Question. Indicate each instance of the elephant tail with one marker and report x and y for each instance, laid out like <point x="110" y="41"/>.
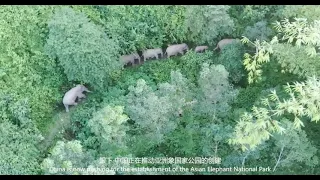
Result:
<point x="216" y="48"/>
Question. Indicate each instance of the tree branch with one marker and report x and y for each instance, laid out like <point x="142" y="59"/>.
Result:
<point x="278" y="158"/>
<point x="216" y="149"/>
<point x="244" y="159"/>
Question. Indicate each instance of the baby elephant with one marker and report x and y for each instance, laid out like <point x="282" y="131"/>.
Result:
<point x="173" y="50"/>
<point x="221" y="44"/>
<point x="125" y="59"/>
<point x="201" y="48"/>
<point x="71" y="96"/>
<point x="150" y="53"/>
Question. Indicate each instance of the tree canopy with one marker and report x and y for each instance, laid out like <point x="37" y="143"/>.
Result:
<point x="253" y="103"/>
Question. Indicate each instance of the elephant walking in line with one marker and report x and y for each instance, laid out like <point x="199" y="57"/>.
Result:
<point x="71" y="96"/>
<point x="221" y="44"/>
<point x="125" y="59"/>
<point x="173" y="50"/>
<point x="150" y="53"/>
<point x="201" y="48"/>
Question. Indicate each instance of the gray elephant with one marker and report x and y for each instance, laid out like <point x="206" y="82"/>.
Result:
<point x="74" y="93"/>
<point x="125" y="59"/>
<point x="201" y="48"/>
<point x="221" y="44"/>
<point x="150" y="53"/>
<point x="173" y="50"/>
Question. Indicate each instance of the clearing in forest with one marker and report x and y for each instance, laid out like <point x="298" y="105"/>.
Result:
<point x="61" y="122"/>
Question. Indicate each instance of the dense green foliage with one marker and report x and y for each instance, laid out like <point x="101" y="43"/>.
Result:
<point x="138" y="27"/>
<point x="208" y="22"/>
<point x="231" y="59"/>
<point x="253" y="104"/>
<point x="82" y="48"/>
<point x="259" y="30"/>
<point x="26" y="72"/>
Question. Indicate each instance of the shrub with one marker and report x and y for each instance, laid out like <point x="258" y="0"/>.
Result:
<point x="231" y="58"/>
<point x="82" y="48"/>
<point x="259" y="30"/>
<point x="207" y="22"/>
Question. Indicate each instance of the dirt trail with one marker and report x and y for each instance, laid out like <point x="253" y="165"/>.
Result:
<point x="55" y="130"/>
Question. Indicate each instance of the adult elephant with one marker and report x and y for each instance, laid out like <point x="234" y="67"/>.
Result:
<point x="71" y="96"/>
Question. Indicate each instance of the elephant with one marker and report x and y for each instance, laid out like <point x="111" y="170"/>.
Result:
<point x="221" y="44"/>
<point x="125" y="59"/>
<point x="201" y="48"/>
<point x="150" y="53"/>
<point x="74" y="93"/>
<point x="173" y="50"/>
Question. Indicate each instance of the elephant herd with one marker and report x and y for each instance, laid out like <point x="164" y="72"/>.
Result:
<point x="172" y="50"/>
<point x="75" y="94"/>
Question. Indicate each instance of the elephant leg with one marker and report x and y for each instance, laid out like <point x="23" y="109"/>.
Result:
<point x="156" y="55"/>
<point x="66" y="107"/>
<point x="81" y="96"/>
<point x="132" y="62"/>
<point x="181" y="52"/>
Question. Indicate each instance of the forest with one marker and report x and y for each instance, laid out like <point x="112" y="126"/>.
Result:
<point x="249" y="107"/>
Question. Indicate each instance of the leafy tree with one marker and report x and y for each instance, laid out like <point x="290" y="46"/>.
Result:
<point x="215" y="92"/>
<point x="241" y="159"/>
<point x="191" y="64"/>
<point x="220" y="135"/>
<point x="83" y="49"/>
<point x="246" y="97"/>
<point x="202" y="135"/>
<point x="129" y="78"/>
<point x="305" y="41"/>
<point x="166" y="104"/>
<point x="71" y="159"/>
<point x="251" y="14"/>
<point x="207" y="22"/>
<point x="158" y="71"/>
<point x="183" y="141"/>
<point x="65" y="156"/>
<point x="150" y="112"/>
<point x="107" y="125"/>
<point x="26" y="72"/>
<point x="144" y="26"/>
<point x="257" y="126"/>
<point x="209" y="138"/>
<point x="231" y="59"/>
<point x="20" y="154"/>
<point x="302" y="11"/>
<point x="80" y="117"/>
<point x="259" y="30"/>
<point x="91" y="12"/>
<point x="293" y="146"/>
<point x="179" y="92"/>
